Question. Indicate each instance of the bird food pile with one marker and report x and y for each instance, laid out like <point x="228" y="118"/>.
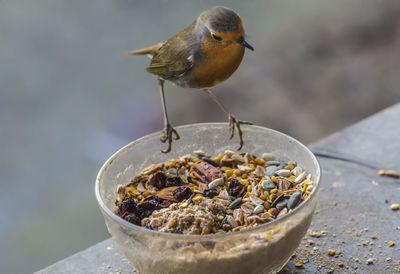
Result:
<point x="202" y="195"/>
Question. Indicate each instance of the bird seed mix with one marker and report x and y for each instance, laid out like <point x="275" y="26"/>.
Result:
<point x="199" y="194"/>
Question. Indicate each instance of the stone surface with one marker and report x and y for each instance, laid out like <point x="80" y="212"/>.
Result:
<point x="352" y="207"/>
<point x="104" y="257"/>
<point x="352" y="204"/>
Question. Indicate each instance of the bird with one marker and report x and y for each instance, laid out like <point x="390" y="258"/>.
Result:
<point x="202" y="55"/>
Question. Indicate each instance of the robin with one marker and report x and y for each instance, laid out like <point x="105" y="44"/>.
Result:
<point x="201" y="56"/>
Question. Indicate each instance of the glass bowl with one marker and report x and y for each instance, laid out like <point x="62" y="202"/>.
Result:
<point x="263" y="249"/>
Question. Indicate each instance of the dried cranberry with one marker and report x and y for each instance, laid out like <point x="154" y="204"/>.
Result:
<point x="182" y="193"/>
<point x="132" y="218"/>
<point x="234" y="187"/>
<point x="174" y="181"/>
<point x="210" y="193"/>
<point x="127" y="205"/>
<point x="158" y="179"/>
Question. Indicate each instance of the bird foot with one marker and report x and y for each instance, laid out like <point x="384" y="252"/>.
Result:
<point x="233" y="122"/>
<point x="167" y="136"/>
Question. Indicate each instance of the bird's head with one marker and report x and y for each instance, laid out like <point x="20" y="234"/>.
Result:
<point x="222" y="27"/>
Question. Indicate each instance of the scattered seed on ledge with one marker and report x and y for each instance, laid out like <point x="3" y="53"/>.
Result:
<point x="299" y="263"/>
<point x="331" y="252"/>
<point x="389" y="173"/>
<point x="395" y="207"/>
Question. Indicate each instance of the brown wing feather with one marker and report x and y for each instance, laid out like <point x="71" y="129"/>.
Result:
<point x="145" y="51"/>
<point x="173" y="59"/>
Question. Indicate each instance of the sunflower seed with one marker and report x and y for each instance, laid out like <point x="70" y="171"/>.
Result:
<point x="282" y="204"/>
<point x="268" y="156"/>
<point x="277" y="200"/>
<point x="244" y="168"/>
<point x="215" y="183"/>
<point x="172" y="172"/>
<point x="258" y="209"/>
<point x="260" y="171"/>
<point x="211" y="162"/>
<point x="300" y="178"/>
<point x="255" y="200"/>
<point x="268" y="185"/>
<point x="297" y="171"/>
<point x="271" y="170"/>
<point x="283" y="172"/>
<point x="282" y="212"/>
<point x="273" y="163"/>
<point x="199" y="152"/>
<point x="235" y="203"/>
<point x="284" y="184"/>
<point x="231" y="221"/>
<point x="229" y="153"/>
<point x="238" y="159"/>
<point x="294" y="200"/>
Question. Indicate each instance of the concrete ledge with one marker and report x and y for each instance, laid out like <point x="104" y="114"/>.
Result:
<point x="351" y="209"/>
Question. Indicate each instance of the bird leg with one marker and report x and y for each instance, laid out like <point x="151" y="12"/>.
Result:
<point x="233" y="122"/>
<point x="168" y="129"/>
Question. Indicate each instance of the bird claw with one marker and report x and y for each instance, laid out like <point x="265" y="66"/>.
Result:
<point x="167" y="136"/>
<point x="233" y="122"/>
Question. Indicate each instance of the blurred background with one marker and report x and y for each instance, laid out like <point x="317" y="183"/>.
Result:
<point x="68" y="100"/>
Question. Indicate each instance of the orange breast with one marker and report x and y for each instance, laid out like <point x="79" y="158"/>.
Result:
<point x="220" y="62"/>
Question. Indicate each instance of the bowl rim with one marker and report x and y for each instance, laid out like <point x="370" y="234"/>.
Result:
<point x="263" y="227"/>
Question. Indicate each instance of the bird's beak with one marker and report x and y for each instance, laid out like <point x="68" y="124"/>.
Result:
<point x="245" y="44"/>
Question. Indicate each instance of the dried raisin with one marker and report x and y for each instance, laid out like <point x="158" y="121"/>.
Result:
<point x="127" y="205"/>
<point x="174" y="181"/>
<point x="210" y="193"/>
<point x="145" y="208"/>
<point x="158" y="179"/>
<point x="132" y="218"/>
<point x="182" y="193"/>
<point x="234" y="187"/>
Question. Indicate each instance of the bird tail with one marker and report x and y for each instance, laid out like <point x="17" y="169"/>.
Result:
<point x="145" y="51"/>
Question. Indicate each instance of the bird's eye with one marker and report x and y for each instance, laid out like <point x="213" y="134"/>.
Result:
<point x="216" y="37"/>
